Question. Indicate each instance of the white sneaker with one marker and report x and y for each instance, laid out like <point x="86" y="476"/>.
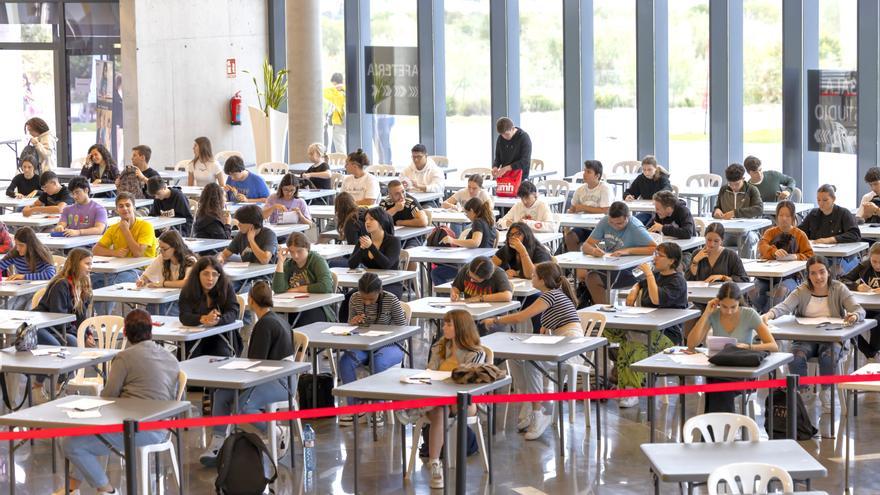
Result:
<point x="436" y="473"/>
<point x="540" y="422"/>
<point x="61" y="491"/>
<point x="626" y="402"/>
<point x="825" y="397"/>
<point x="282" y="436"/>
<point x="209" y="456"/>
<point x="524" y="423"/>
<point x="525" y="410"/>
<point x="348" y="419"/>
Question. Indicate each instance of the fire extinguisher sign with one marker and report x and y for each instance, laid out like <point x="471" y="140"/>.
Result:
<point x="230" y="68"/>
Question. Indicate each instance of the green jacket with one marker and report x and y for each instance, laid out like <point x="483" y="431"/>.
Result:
<point x="318" y="278"/>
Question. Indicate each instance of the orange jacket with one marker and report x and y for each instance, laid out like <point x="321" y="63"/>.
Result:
<point x="767" y="250"/>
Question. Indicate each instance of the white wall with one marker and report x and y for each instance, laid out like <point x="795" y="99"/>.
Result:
<point x="174" y="66"/>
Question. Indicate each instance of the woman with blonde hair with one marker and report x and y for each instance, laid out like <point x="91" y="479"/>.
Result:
<point x="319" y="172"/>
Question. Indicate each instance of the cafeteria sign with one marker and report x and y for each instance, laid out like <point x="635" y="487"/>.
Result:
<point x="833" y="104"/>
<point x="392" y="80"/>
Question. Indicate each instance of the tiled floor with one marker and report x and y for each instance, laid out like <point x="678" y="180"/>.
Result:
<point x="619" y="469"/>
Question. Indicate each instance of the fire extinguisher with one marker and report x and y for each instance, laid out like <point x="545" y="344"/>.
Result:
<point x="235" y="109"/>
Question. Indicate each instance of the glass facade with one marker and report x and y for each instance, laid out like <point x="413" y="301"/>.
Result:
<point x="762" y="82"/>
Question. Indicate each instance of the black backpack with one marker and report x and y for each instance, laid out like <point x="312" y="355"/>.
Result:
<point x="324" y="382"/>
<point x="805" y="428"/>
<point x="438" y="234"/>
<point x="240" y="465"/>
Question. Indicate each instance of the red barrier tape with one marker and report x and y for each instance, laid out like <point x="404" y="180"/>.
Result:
<point x="433" y="402"/>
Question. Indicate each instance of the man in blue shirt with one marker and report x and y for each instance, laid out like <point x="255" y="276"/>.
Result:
<point x="623" y="235"/>
<point x="247" y="187"/>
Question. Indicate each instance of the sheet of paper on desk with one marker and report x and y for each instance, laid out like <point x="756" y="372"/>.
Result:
<point x="691" y="359"/>
<point x="478" y="305"/>
<point x="869" y="369"/>
<point x="432" y="375"/>
<point x="697" y="284"/>
<point x="579" y="340"/>
<point x="639" y="311"/>
<point x="85" y="404"/>
<point x="375" y="333"/>
<point x="339" y="330"/>
<point x="46" y="351"/>
<point x="89" y="355"/>
<point x="543" y="339"/>
<point x="92" y="413"/>
<point x="260" y="369"/>
<point x="239" y="365"/>
<point x="802" y="320"/>
<point x="236" y="264"/>
<point x="103" y="259"/>
<point x="164" y="289"/>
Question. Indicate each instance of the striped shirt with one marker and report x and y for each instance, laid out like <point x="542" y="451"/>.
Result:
<point x="561" y="310"/>
<point x="386" y="311"/>
<point x="44" y="271"/>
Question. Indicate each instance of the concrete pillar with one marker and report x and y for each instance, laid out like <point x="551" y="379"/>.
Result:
<point x="304" y="99"/>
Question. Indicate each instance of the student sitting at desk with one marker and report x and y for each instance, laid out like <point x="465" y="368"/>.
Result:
<point x="286" y="200"/>
<point x="130" y="237"/>
<point x="319" y="173"/>
<point x="362" y="186"/>
<point x="213" y="220"/>
<point x="100" y="168"/>
<point x="170" y="203"/>
<point x="772" y="185"/>
<point x="474" y="189"/>
<point x="519" y="256"/>
<point x="168" y="270"/>
<point x="26" y="184"/>
<point x="869" y="206"/>
<point x="716" y="263"/>
<point x="865" y="278"/>
<point x="254" y="243"/>
<point x="144" y="370"/>
<point x="595" y="196"/>
<point x="303" y="271"/>
<point x="653" y="178"/>
<point x="481" y="234"/>
<point x="85" y="216"/>
<point x="422" y="175"/>
<point x="371" y="305"/>
<point x="349" y="219"/>
<point x="782" y="242"/>
<point x="819" y="297"/>
<point x="31" y="261"/>
<point x="405" y="211"/>
<point x="671" y="218"/>
<point x="270" y="340"/>
<point x="481" y="281"/>
<point x="530" y="210"/>
<point x="203" y="169"/>
<point x="726" y="316"/>
<point x="623" y="236"/>
<point x="739" y="199"/>
<point x="832" y="224"/>
<point x="378" y="248"/>
<point x="53" y="198"/>
<point x="556" y="308"/>
<point x="207" y="299"/>
<point x="246" y="187"/>
<point x="666" y="289"/>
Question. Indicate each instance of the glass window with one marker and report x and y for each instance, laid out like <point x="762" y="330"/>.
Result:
<point x="762" y="82"/>
<point x="469" y="124"/>
<point x="614" y="80"/>
<point x="95" y="104"/>
<point x="541" y="81"/>
<point x="838" y="43"/>
<point x="27" y="22"/>
<point x="333" y="64"/>
<point x="688" y="89"/>
<point x="393" y="23"/>
<point x="91" y="20"/>
<point x="27" y="90"/>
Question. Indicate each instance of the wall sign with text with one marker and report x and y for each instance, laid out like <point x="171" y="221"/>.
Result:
<point x="392" y="80"/>
<point x="833" y="111"/>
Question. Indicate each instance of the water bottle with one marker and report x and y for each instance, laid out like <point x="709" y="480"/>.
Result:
<point x="309" y="456"/>
<point x="613" y="301"/>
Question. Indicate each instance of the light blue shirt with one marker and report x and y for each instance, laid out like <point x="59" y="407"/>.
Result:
<point x="744" y="332"/>
<point x="252" y="187"/>
<point x="633" y="235"/>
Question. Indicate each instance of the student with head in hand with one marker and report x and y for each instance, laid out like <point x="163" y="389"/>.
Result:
<point x="378" y="248"/>
<point x="672" y="218"/>
<point x="714" y="262"/>
<point x="100" y="167"/>
<point x="405" y="211"/>
<point x="739" y="199"/>
<point x="207" y="299"/>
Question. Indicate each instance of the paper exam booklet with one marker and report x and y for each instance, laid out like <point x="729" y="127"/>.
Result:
<point x="85" y="404"/>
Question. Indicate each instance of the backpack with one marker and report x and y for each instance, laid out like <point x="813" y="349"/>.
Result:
<point x="437" y="235"/>
<point x="325" y="390"/>
<point x="240" y="465"/>
<point x="805" y="427"/>
<point x="128" y="182"/>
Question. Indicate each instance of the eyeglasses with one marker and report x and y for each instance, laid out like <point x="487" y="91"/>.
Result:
<point x="660" y="254"/>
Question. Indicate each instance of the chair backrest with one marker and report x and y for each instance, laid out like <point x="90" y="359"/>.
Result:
<point x="381" y="170"/>
<point x="335" y="279"/>
<point x="273" y="168"/>
<point x="754" y="477"/>
<point x="181" y="165"/>
<point x="701" y="226"/>
<point x="222" y="156"/>
<point x="675" y="190"/>
<point x="797" y="195"/>
<point x="193" y="206"/>
<point x="485" y="173"/>
<point x="555" y="187"/>
<point x="439" y="160"/>
<point x="725" y="427"/>
<point x="536" y="164"/>
<point x="78" y="162"/>
<point x="336" y="159"/>
<point x="181" y="384"/>
<point x="35" y="299"/>
<point x="336" y="181"/>
<point x="404" y="260"/>
<point x="300" y="344"/>
<point x="58" y="261"/>
<point x="627" y="167"/>
<point x="593" y="323"/>
<point x="704" y="180"/>
<point x="242" y="305"/>
<point x="407" y="311"/>
<point x="108" y="332"/>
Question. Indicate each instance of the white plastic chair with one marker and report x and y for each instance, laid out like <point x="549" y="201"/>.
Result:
<point x="274" y="168"/>
<point x="593" y="323"/>
<point x="143" y="452"/>
<point x="536" y="164"/>
<point x="704" y="180"/>
<point x="725" y="427"/>
<point x="439" y="160"/>
<point x="35" y="299"/>
<point x="381" y="170"/>
<point x="222" y="156"/>
<point x="627" y="167"/>
<point x="108" y="335"/>
<point x="700" y="224"/>
<point x="556" y="187"/>
<point x="300" y="344"/>
<point x="58" y="261"/>
<point x="336" y="181"/>
<point x="181" y="165"/>
<point x="485" y="173"/>
<point x="755" y="477"/>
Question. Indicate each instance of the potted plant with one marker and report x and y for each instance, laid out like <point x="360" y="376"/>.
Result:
<point x="268" y="124"/>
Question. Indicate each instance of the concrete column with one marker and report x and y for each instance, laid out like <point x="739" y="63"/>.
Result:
<point x="304" y="99"/>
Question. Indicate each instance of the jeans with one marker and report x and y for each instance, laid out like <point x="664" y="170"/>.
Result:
<point x="383" y="358"/>
<point x="165" y="309"/>
<point x="83" y="453"/>
<point x="765" y="300"/>
<point x="720" y="401"/>
<point x="48" y="337"/>
<point x="106" y="280"/>
<point x="827" y="352"/>
<point x="250" y="402"/>
<point x="441" y="274"/>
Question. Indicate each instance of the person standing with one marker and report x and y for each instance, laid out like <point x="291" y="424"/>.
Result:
<point x="513" y="149"/>
<point x="335" y="95"/>
<point x="43" y="142"/>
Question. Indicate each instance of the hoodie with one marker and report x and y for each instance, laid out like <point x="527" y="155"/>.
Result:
<point x="517" y="152"/>
<point x="746" y="203"/>
<point x="680" y="224"/>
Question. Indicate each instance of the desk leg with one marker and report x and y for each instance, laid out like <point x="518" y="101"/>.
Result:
<point x="356" y="454"/>
<point x="681" y="403"/>
<point x="291" y="447"/>
<point x="831" y="423"/>
<point x="446" y="450"/>
<point x="855" y="393"/>
<point x="67" y="475"/>
<point x="490" y="411"/>
<point x="315" y="352"/>
<point x="651" y="379"/>
<point x="656" y="482"/>
<point x="373" y="415"/>
<point x="770" y="409"/>
<point x="559" y="411"/>
<point x="178" y="434"/>
<point x="403" y="449"/>
<point x="412" y="362"/>
<point x="52" y="381"/>
<point x="850" y="398"/>
<point x="234" y="406"/>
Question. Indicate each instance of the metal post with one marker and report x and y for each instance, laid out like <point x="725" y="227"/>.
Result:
<point x="869" y="100"/>
<point x="129" y="428"/>
<point x="577" y="53"/>
<point x="464" y="400"/>
<point x="791" y="386"/>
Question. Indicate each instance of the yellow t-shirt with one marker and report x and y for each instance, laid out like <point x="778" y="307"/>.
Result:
<point x="141" y="230"/>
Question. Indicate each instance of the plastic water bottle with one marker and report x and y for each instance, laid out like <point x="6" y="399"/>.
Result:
<point x="309" y="456"/>
<point x="613" y="302"/>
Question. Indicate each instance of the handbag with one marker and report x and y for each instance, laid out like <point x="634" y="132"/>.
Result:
<point x="507" y="185"/>
<point x="477" y="373"/>
<point x="25" y="337"/>
<point x="732" y="355"/>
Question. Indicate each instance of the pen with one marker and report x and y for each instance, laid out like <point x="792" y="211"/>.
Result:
<point x="218" y="360"/>
<point x="300" y="297"/>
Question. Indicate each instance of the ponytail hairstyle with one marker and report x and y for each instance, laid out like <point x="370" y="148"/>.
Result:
<point x="481" y="209"/>
<point x="829" y="189"/>
<point x="319" y="148"/>
<point x="729" y="290"/>
<point x="551" y="275"/>
<point x="359" y="158"/>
